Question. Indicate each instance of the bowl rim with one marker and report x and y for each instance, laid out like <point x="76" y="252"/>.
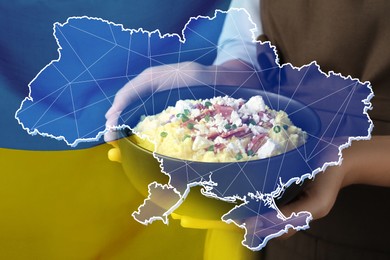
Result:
<point x="161" y="156"/>
<point x="123" y="135"/>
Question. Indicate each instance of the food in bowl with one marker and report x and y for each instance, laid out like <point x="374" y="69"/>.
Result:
<point x="221" y="129"/>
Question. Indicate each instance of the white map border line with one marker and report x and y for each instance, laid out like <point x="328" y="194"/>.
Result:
<point x="182" y="39"/>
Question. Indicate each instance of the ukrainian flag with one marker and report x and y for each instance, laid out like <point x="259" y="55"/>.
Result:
<point x="63" y="203"/>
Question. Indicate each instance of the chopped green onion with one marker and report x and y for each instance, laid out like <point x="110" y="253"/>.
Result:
<point x="277" y="129"/>
<point x="208" y="104"/>
<point x="234" y="126"/>
<point x="190" y="126"/>
<point x="184" y="118"/>
<point x="239" y="156"/>
<point x="163" y="134"/>
<point x="252" y="122"/>
<point x="228" y="126"/>
<point x="211" y="148"/>
<point x="250" y="152"/>
<point x="185" y="137"/>
<point x="285" y="127"/>
<point x="187" y="112"/>
<point x="207" y="118"/>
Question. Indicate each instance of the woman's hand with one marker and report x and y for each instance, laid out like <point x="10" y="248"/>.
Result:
<point x="365" y="162"/>
<point x="186" y="74"/>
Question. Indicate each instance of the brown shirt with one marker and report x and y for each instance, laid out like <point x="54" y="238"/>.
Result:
<point x="351" y="37"/>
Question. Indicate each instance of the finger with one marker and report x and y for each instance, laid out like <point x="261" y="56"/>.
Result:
<point x="150" y="80"/>
<point x="127" y="94"/>
<point x="131" y="92"/>
<point x="110" y="136"/>
<point x="145" y="84"/>
<point x="290" y="233"/>
<point x="112" y="117"/>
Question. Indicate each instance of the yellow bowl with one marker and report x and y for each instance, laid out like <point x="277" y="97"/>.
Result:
<point x="142" y="169"/>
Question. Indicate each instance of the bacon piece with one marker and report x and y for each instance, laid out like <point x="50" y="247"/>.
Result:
<point x="267" y="124"/>
<point x="212" y="135"/>
<point x="261" y="113"/>
<point x="187" y="123"/>
<point x="238" y="132"/>
<point x="219" y="147"/>
<point x="225" y="111"/>
<point x="203" y="114"/>
<point x="249" y="134"/>
<point x="256" y="143"/>
<point x="200" y="106"/>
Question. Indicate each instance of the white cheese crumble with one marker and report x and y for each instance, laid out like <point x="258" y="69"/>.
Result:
<point x="221" y="129"/>
<point x="253" y="106"/>
<point x="267" y="149"/>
